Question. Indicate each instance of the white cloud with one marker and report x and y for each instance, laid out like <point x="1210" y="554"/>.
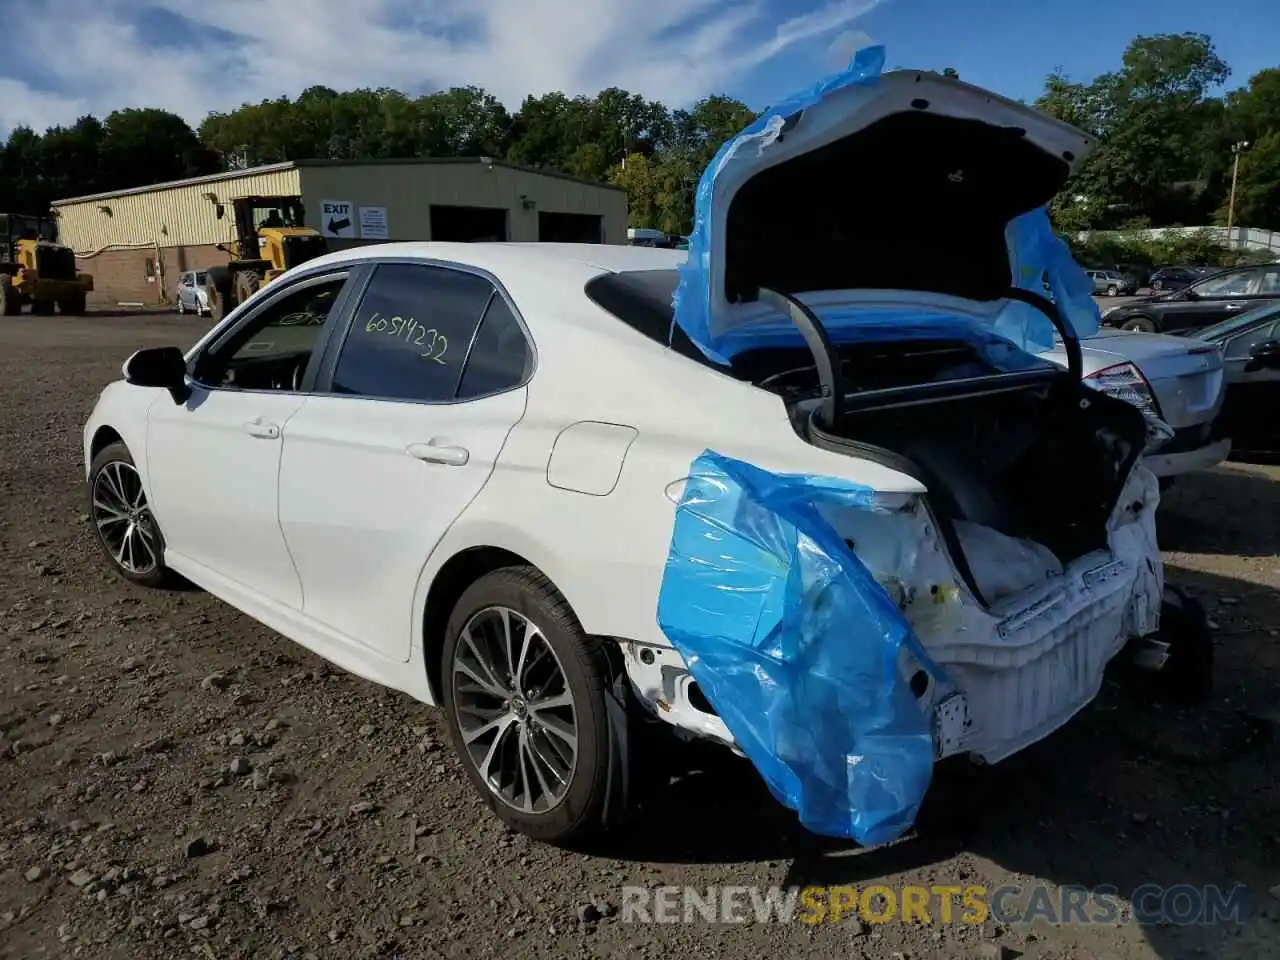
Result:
<point x="99" y="58"/>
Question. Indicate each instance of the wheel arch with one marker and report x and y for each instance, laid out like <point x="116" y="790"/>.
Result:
<point x="447" y="586"/>
<point x="103" y="437"/>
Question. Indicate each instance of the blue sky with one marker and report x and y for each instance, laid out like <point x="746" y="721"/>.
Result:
<point x="63" y="58"/>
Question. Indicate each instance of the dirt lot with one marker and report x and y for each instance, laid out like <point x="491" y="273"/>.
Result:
<point x="124" y="831"/>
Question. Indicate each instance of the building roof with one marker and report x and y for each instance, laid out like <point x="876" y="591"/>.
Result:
<point x="298" y="164"/>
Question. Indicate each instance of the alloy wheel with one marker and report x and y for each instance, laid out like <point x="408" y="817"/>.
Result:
<point x="514" y="710"/>
<point x="123" y="518"/>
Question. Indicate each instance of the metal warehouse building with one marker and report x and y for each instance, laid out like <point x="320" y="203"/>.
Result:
<point x="136" y="242"/>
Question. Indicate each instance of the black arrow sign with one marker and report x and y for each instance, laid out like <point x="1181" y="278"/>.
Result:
<point x="337" y="226"/>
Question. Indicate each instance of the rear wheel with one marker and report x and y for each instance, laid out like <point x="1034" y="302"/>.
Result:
<point x="1139" y="324"/>
<point x="524" y="689"/>
<point x="1187" y="676"/>
<point x="10" y="305"/>
<point x="122" y="520"/>
<point x="42" y="308"/>
<point x="72" y="306"/>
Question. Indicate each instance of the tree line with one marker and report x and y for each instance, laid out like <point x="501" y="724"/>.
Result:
<point x="1165" y="132"/>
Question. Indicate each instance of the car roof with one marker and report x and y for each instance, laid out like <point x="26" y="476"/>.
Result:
<point x="579" y="260"/>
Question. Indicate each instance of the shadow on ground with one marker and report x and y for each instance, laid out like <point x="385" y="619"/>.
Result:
<point x="1232" y="510"/>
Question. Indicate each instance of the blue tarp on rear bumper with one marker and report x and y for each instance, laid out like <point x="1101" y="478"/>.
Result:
<point x="796" y="646"/>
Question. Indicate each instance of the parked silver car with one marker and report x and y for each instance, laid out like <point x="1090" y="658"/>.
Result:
<point x="193" y="293"/>
<point x="1175" y="381"/>
<point x="1112" y="283"/>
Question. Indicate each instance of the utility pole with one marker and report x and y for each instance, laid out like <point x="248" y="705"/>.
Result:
<point x="1237" y="148"/>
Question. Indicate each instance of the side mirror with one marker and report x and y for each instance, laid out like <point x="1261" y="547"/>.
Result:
<point x="163" y="367"/>
<point x="1189" y="294"/>
<point x="1264" y="356"/>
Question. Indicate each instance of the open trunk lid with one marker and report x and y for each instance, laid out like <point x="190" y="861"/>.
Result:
<point x="873" y="198"/>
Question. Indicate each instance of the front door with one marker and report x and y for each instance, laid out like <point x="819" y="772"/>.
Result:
<point x="214" y="461"/>
<point x="419" y="406"/>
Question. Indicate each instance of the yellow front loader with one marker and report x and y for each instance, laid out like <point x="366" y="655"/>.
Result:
<point x="36" y="270"/>
<point x="269" y="239"/>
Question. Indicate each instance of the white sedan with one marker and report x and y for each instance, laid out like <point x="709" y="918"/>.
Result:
<point x="514" y="481"/>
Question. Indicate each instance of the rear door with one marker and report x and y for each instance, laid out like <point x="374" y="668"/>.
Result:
<point x="413" y="407"/>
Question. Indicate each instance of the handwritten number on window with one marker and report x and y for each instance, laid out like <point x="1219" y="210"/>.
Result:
<point x="411" y="333"/>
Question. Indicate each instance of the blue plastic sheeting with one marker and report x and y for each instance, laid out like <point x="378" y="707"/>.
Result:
<point x="796" y="646"/>
<point x="1037" y="254"/>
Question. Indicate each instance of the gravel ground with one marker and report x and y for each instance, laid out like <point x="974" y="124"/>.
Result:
<point x="176" y="780"/>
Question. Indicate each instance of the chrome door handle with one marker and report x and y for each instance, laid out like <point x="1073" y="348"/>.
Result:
<point x="257" y="428"/>
<point x="1233" y="306"/>
<point x="439" y="453"/>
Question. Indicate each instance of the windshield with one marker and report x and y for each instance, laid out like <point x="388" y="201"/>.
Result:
<point x="1227" y="327"/>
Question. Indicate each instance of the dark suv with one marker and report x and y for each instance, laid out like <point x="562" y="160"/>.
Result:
<point x="1214" y="298"/>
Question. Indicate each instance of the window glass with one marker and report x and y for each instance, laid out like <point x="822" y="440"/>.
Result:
<point x="272" y="350"/>
<point x="1270" y="281"/>
<point x="1241" y="345"/>
<point x="410" y="336"/>
<point x="1228" y="285"/>
<point x="500" y="357"/>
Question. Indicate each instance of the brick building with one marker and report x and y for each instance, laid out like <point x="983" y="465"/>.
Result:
<point x="137" y="242"/>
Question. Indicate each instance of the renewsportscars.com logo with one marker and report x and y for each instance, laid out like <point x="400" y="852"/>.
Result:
<point x="1149" y="904"/>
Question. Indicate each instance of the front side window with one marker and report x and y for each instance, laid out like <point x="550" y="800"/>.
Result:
<point x="272" y="350"/>
<point x="1270" y="285"/>
<point x="1236" y="284"/>
<point x="411" y="335"/>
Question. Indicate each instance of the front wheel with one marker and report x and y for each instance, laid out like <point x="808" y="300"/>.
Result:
<point x="122" y="520"/>
<point x="525" y="692"/>
<point x="1113" y="292"/>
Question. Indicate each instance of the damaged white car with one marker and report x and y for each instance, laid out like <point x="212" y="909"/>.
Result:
<point x="828" y="507"/>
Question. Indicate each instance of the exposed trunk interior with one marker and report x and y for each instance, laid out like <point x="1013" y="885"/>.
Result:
<point x="1033" y="454"/>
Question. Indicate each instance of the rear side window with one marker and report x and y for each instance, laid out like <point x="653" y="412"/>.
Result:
<point x="411" y="333"/>
<point x="500" y="357"/>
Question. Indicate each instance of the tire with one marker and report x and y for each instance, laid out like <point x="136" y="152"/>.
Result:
<point x="1157" y="284"/>
<point x="247" y="283"/>
<point x="72" y="306"/>
<point x="182" y="308"/>
<point x="113" y="468"/>
<point x="10" y="305"/>
<point x="1187" y="676"/>
<point x="574" y="806"/>
<point x="1112" y="292"/>
<point x="42" y="308"/>
<point x="1140" y="324"/>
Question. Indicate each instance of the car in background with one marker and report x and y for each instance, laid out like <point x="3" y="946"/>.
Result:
<point x="1112" y="283"/>
<point x="1172" y="278"/>
<point x="1250" y="348"/>
<point x="1177" y="381"/>
<point x="1203" y="303"/>
<point x="193" y="293"/>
